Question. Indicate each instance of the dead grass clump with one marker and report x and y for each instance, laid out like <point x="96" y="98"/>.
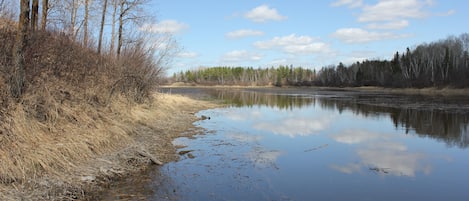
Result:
<point x="49" y="138"/>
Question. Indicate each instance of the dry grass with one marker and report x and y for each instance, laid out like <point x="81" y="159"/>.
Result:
<point x="82" y="121"/>
<point x="69" y="159"/>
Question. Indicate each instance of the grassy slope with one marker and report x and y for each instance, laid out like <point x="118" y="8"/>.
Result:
<point x="80" y="123"/>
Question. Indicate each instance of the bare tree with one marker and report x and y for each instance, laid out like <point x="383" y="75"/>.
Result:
<point x="115" y="4"/>
<point x="101" y="28"/>
<point x="34" y="14"/>
<point x="128" y="11"/>
<point x="73" y="17"/>
<point x="18" y="76"/>
<point x="85" y="23"/>
<point x="45" y="8"/>
<point x="121" y="26"/>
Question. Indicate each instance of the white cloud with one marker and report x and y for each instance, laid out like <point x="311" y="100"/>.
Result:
<point x="357" y="35"/>
<point x="359" y="55"/>
<point x="350" y="3"/>
<point x="447" y="13"/>
<point x="277" y="62"/>
<point x="165" y="27"/>
<point x="392" y="10"/>
<point x="294" y="44"/>
<point x="187" y="54"/>
<point x="243" y="33"/>
<point x="264" y="13"/>
<point x="398" y="24"/>
<point x="391" y="14"/>
<point x="241" y="56"/>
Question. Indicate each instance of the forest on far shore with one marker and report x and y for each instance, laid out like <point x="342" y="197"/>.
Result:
<point x="444" y="63"/>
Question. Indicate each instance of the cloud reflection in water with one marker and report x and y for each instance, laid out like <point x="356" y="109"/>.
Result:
<point x="295" y="126"/>
<point x="263" y="158"/>
<point x="382" y="153"/>
<point x="348" y="168"/>
<point x="244" y="137"/>
<point x="355" y="136"/>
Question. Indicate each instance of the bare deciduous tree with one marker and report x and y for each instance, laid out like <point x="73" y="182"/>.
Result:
<point x="85" y="23"/>
<point x="115" y="4"/>
<point x="18" y="76"/>
<point x="45" y="8"/>
<point x="73" y="17"/>
<point x="34" y="15"/>
<point x="101" y="28"/>
<point x="129" y="10"/>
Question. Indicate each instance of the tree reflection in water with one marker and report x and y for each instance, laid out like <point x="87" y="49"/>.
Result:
<point x="438" y="119"/>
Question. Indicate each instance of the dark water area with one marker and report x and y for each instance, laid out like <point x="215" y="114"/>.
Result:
<point x="317" y="145"/>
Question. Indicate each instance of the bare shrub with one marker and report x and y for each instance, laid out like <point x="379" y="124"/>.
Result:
<point x="138" y="73"/>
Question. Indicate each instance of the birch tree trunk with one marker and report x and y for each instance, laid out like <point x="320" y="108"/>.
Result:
<point x="73" y="18"/>
<point x="85" y="23"/>
<point x="101" y="29"/>
<point x="113" y="28"/>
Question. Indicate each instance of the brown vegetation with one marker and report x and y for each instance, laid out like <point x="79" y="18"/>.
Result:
<point x="82" y="119"/>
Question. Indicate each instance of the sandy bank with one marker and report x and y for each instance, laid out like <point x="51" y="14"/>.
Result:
<point x="107" y="145"/>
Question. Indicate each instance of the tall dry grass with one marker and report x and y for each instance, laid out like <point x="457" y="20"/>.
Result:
<point x="73" y="109"/>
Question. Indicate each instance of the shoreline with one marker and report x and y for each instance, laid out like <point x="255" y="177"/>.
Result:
<point x="173" y="117"/>
<point x="368" y="89"/>
<point x="149" y="131"/>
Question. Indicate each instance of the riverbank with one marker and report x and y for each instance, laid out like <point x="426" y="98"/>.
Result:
<point x="432" y="91"/>
<point x="108" y="145"/>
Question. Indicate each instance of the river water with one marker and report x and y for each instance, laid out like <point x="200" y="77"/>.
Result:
<point x="303" y="145"/>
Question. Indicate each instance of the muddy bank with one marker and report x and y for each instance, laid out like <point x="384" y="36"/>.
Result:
<point x="145" y="135"/>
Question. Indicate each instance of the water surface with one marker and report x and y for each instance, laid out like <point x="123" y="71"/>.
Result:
<point x="325" y="146"/>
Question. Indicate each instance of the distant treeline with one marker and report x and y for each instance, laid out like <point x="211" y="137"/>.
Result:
<point x="248" y="76"/>
<point x="437" y="64"/>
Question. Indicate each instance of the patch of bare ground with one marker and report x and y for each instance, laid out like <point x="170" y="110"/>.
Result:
<point x="88" y="156"/>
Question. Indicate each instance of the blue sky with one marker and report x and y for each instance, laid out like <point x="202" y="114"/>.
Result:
<point x="305" y="33"/>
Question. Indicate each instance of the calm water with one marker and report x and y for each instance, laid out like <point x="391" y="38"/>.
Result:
<point x="329" y="146"/>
